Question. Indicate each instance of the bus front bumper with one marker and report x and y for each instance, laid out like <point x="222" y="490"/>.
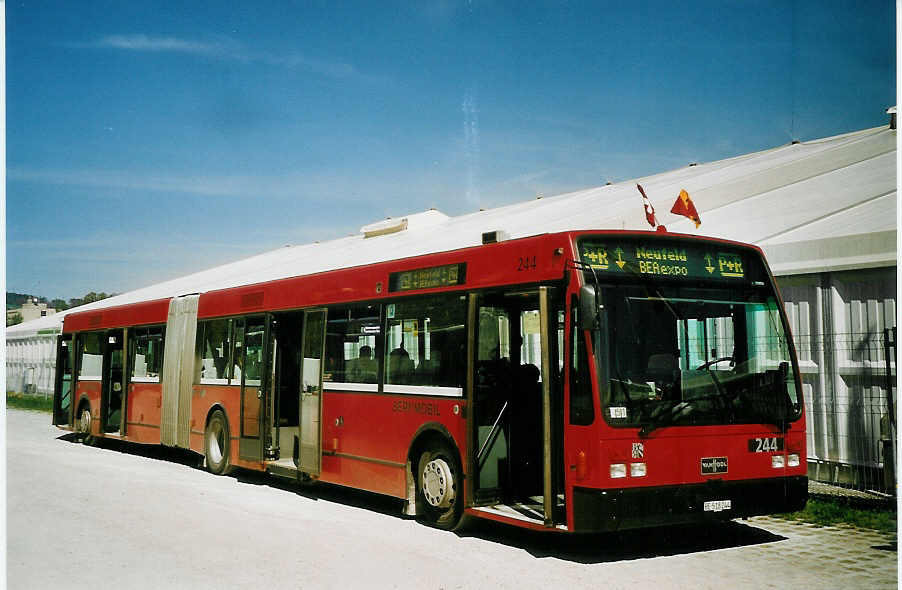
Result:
<point x="628" y="508"/>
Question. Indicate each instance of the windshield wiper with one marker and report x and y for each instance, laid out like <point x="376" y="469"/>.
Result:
<point x="665" y="418"/>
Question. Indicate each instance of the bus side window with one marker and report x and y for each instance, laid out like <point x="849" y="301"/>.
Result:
<point x="425" y="341"/>
<point x="213" y="352"/>
<point x="351" y="344"/>
<point x="147" y="358"/>
<point x="90" y="356"/>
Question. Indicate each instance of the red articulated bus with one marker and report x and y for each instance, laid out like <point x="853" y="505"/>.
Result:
<point x="579" y="381"/>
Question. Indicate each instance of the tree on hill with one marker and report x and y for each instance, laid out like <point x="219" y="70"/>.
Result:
<point x="16" y="300"/>
<point x="89" y="298"/>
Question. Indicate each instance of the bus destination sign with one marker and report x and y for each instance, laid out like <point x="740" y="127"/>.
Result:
<point x="672" y="260"/>
<point x="448" y="275"/>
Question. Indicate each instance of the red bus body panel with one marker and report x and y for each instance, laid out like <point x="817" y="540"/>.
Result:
<point x="366" y="436"/>
<point x="143" y="412"/>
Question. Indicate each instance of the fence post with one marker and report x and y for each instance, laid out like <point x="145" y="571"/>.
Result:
<point x="888" y="440"/>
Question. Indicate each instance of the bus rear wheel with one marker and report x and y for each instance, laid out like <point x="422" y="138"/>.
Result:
<point x="83" y="424"/>
<point x="217" y="444"/>
<point x="439" y="490"/>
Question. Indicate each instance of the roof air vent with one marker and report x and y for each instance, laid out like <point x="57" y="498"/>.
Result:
<point x="892" y="117"/>
<point x="493" y="237"/>
<point x="385" y="227"/>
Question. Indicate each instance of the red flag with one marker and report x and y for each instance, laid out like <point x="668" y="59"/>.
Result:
<point x="649" y="210"/>
<point x="686" y="208"/>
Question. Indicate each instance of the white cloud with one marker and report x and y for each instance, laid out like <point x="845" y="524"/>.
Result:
<point x="160" y="44"/>
<point x="225" y="50"/>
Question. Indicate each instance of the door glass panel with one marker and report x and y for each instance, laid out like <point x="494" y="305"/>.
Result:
<point x="492" y="390"/>
<point x="113" y="382"/>
<point x="311" y="390"/>
<point x="249" y="366"/>
<point x="63" y="395"/>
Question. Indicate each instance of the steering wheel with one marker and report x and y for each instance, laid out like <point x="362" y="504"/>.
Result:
<point x="708" y="364"/>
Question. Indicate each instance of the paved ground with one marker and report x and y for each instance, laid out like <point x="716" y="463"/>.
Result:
<point x="133" y="517"/>
<point x="850" y="496"/>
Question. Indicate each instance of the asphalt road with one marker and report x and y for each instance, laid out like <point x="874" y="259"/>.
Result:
<point x="125" y="516"/>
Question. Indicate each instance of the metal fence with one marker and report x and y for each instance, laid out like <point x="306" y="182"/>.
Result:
<point x="850" y="386"/>
<point x="31" y="363"/>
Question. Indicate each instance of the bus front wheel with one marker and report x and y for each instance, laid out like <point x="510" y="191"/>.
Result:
<point x="439" y="490"/>
<point x="217" y="444"/>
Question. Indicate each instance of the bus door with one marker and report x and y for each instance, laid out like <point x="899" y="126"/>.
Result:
<point x="63" y="381"/>
<point x="312" y="352"/>
<point x="113" y="384"/>
<point x="513" y="409"/>
<point x="251" y="362"/>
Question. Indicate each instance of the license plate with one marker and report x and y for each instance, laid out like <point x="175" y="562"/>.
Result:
<point x="717" y="505"/>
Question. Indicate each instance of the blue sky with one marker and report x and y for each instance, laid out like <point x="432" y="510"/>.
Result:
<point x="150" y="140"/>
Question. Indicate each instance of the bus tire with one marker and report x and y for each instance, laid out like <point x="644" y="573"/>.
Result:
<point x="440" y="501"/>
<point x="217" y="444"/>
<point x="83" y="424"/>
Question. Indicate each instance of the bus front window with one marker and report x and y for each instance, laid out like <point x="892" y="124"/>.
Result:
<point x="696" y="356"/>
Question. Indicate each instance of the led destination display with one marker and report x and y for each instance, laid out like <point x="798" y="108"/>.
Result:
<point x="428" y="278"/>
<point x="664" y="259"/>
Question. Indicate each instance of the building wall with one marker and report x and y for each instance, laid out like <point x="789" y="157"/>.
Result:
<point x="31" y="310"/>
<point x="838" y="321"/>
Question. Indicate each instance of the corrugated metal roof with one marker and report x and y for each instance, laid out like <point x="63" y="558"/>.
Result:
<point x="813" y="206"/>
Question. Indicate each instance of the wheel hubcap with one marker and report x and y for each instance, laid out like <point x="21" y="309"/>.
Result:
<point x="85" y="424"/>
<point x="438" y="483"/>
<point x="214" y="443"/>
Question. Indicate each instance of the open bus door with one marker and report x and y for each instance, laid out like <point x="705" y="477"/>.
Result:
<point x="63" y="380"/>
<point x="515" y="424"/>
<point x="311" y="407"/>
<point x="113" y="382"/>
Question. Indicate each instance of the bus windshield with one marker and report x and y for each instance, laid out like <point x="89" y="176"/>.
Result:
<point x="684" y="354"/>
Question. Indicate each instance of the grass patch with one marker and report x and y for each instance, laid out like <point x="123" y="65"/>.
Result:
<point x="828" y="513"/>
<point x="37" y="403"/>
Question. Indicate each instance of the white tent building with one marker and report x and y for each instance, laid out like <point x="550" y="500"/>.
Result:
<point x="824" y="212"/>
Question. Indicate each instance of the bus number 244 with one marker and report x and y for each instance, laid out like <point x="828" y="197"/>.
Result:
<point x="765" y="445"/>
<point x="526" y="263"/>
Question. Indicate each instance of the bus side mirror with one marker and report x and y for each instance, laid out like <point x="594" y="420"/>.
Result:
<point x="589" y="308"/>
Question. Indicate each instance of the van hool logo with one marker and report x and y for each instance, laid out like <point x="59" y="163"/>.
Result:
<point x="638" y="450"/>
<point x="714" y="465"/>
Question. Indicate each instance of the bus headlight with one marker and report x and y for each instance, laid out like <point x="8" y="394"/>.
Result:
<point x="618" y="470"/>
<point x="792" y="460"/>
<point x="637" y="469"/>
<point x="778" y="461"/>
